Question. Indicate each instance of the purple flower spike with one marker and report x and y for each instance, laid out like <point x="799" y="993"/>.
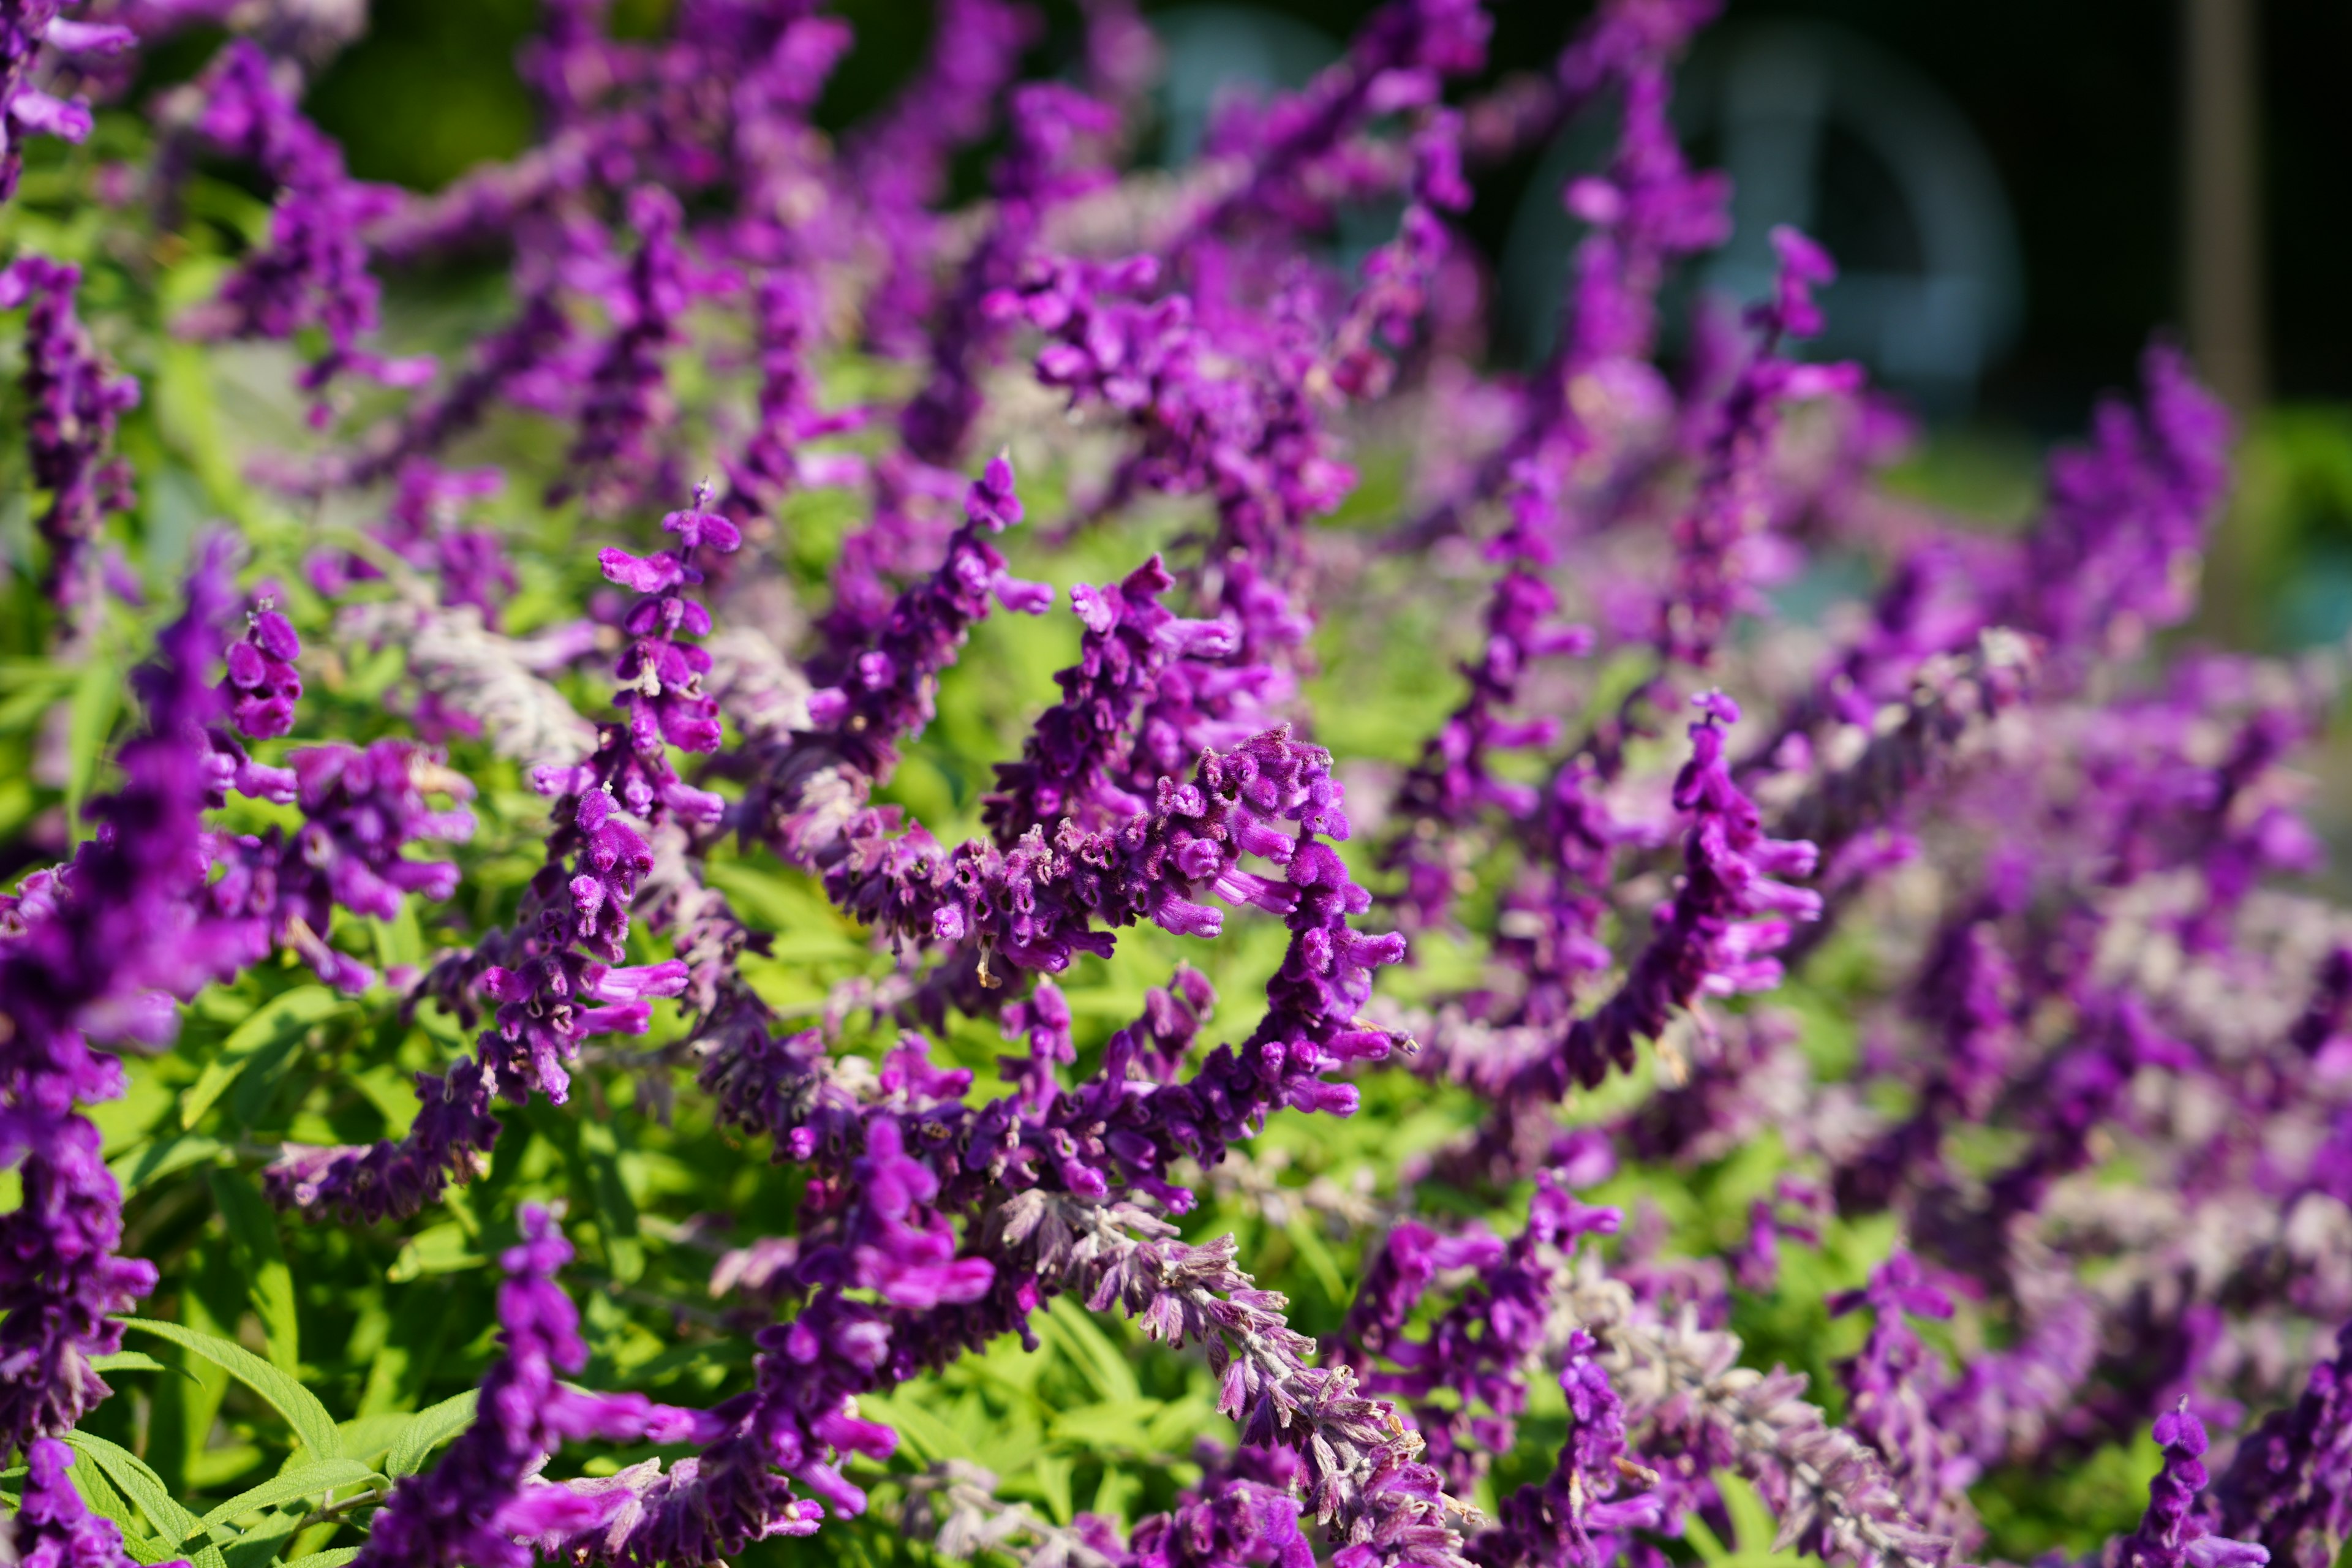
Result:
<point x="484" y="1504"/>
<point x="313" y="272"/>
<point x="51" y="1527"/>
<point x="1715" y="539"/>
<point x="1574" y="1519"/>
<point x="69" y="426"/>
<point x="1053" y="129"/>
<point x="103" y="966"/>
<point x="25" y="27"/>
<point x="2174" y="1533"/>
<point x="2290" y="1486"/>
<point x="424" y="527"/>
<point x="560" y="975"/>
<point x="2126" y="513"/>
<point x="360" y="809"/>
<point x="1080" y="749"/>
<point x="1715" y="937"/>
<point x="262" y="685"/>
<point x="1893" y="1389"/>
<point x="628" y="399"/>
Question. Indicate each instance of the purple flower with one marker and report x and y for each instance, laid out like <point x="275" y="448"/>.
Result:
<point x="262" y="685"/>
<point x="1715" y="542"/>
<point x="1570" y="1519"/>
<point x="1715" y="936"/>
<point x="626" y="398"/>
<point x="68" y="429"/>
<point x="359" y="809"/>
<point x="1892" y="1389"/>
<point x="897" y="168"/>
<point x="313" y="272"/>
<point x="2173" y="1533"/>
<point x="560" y="975"/>
<point x="1080" y="749"/>
<point x="2126" y="513"/>
<point x="51" y="1527"/>
<point x="103" y="967"/>
<point x="2290" y="1486"/>
<point x="883" y="671"/>
<point x="484" y="1502"/>
<point x="1045" y="164"/>
<point x="1455" y="780"/>
<point x="1480" y="1347"/>
<point x="422" y="526"/>
<point x="25" y="110"/>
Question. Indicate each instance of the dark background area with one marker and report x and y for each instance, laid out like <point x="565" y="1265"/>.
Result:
<point x="2078" y="102"/>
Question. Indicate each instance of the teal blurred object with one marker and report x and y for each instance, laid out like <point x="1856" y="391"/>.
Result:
<point x="2283" y="572"/>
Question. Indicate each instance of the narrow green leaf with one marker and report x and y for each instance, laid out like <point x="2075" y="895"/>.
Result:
<point x="268" y="1283"/>
<point x="275" y="1027"/>
<point x="1118" y="1424"/>
<point x="932" y="1438"/>
<point x="1307" y="1237"/>
<point x="99" y="1494"/>
<point x="617" y="1212"/>
<point x="1052" y="1473"/>
<point x="1096" y="1359"/>
<point x="97" y="697"/>
<point x="136" y="1361"/>
<point x="436" y="1249"/>
<point x="1703" y="1540"/>
<point x="300" y="1408"/>
<point x="146" y="1489"/>
<point x="141" y="1550"/>
<point x="28" y="699"/>
<point x="428" y="1430"/>
<point x="372" y="1436"/>
<point x="303" y="1481"/>
<point x="145" y="1163"/>
<point x="333" y="1557"/>
<point x="399" y="940"/>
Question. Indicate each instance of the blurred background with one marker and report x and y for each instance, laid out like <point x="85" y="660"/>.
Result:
<point x="2020" y="192"/>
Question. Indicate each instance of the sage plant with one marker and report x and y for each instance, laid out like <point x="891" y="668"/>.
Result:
<point x="634" y="984"/>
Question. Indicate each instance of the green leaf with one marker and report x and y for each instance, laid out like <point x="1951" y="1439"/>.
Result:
<point x="1113" y="1424"/>
<point x="1306" y="1235"/>
<point x="428" y="1430"/>
<point x="1052" y="1475"/>
<point x="145" y="1487"/>
<point x="97" y="697"/>
<point x="28" y="696"/>
<point x="268" y="1283"/>
<point x="399" y="940"/>
<point x="99" y="1495"/>
<point x="300" y="1408"/>
<point x="372" y="1436"/>
<point x="137" y="1361"/>
<point x="1099" y="1361"/>
<point x="1751" y="1522"/>
<point x="274" y="1028"/>
<point x="437" y="1249"/>
<point x="333" y="1557"/>
<point x="303" y="1481"/>
<point x="145" y="1163"/>
<point x="617" y="1212"/>
<point x="932" y="1438"/>
<point x="139" y="1549"/>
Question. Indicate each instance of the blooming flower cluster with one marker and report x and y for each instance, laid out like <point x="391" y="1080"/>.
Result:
<point x="1885" y="1074"/>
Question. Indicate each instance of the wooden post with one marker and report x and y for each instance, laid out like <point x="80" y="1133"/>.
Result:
<point x="2223" y="206"/>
